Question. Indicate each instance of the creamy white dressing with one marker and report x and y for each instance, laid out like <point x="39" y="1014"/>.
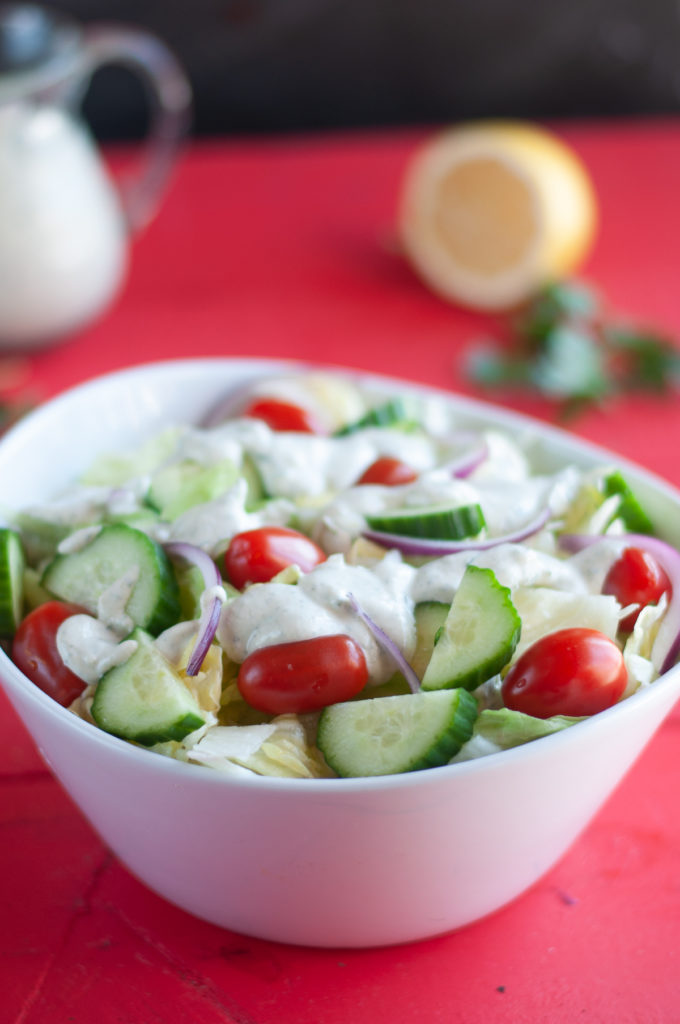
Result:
<point x="89" y="503"/>
<point x="509" y="505"/>
<point x="125" y="501"/>
<point x="89" y="648"/>
<point x="274" y="613"/>
<point x="81" y="504"/>
<point x="173" y="642"/>
<point x="211" y="524"/>
<point x="296" y="465"/>
<point x="113" y="601"/>
<point x="514" y="565"/>
<point x="78" y="540"/>
<point x="310" y="480"/>
<point x="63" y="245"/>
<point x="505" y="460"/>
<point x="229" y="440"/>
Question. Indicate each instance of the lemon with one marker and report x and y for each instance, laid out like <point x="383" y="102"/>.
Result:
<point x="492" y="210"/>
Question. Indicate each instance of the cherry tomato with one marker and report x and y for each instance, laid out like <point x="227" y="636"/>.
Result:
<point x="568" y="672"/>
<point x="281" y="415"/>
<point x="254" y="556"/>
<point x="303" y="675"/>
<point x="34" y="651"/>
<point x="636" y="578"/>
<point x="389" y="472"/>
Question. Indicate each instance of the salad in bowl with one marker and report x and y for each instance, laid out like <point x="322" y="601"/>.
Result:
<point x="317" y="577"/>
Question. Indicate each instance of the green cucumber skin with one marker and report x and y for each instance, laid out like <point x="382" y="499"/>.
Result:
<point x="69" y="576"/>
<point x="634" y="517"/>
<point x="460" y="666"/>
<point x="12" y="565"/>
<point x="180" y="728"/>
<point x="354" y="756"/>
<point x="162" y="720"/>
<point x="389" y="414"/>
<point x="256" y="494"/>
<point x="454" y="522"/>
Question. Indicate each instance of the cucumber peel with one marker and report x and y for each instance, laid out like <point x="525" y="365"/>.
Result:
<point x="392" y="413"/>
<point x="630" y="511"/>
<point x="144" y="699"/>
<point x="392" y="735"/>
<point x="434" y="522"/>
<point x="84" y="576"/>
<point x="12" y="565"/>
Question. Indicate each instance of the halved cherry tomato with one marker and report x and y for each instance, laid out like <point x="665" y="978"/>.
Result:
<point x="636" y="578"/>
<point x="34" y="651"/>
<point x="254" y="556"/>
<point x="389" y="472"/>
<point x="281" y="415"/>
<point x="569" y="672"/>
<point x="303" y="675"/>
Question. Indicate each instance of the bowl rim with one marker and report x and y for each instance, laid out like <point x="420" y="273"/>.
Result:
<point x="499" y="416"/>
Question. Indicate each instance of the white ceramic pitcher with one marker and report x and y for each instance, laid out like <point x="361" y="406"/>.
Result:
<point x="64" y="225"/>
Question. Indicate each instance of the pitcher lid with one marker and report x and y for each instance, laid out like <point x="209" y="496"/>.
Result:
<point x="37" y="47"/>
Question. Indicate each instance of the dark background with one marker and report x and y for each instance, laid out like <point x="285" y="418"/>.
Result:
<point x="304" y="65"/>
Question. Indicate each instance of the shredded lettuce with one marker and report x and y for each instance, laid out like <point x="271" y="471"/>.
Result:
<point x="276" y="748"/>
<point x="637" y="652"/>
<point x="544" y="610"/>
<point x="114" y="469"/>
<point x="503" y="729"/>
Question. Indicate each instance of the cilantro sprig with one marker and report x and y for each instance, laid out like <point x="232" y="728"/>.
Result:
<point x="566" y="346"/>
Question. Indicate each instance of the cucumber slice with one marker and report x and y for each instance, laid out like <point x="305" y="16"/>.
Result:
<point x="434" y="522"/>
<point x="391" y="735"/>
<point x="191" y="585"/>
<point x="479" y="636"/>
<point x="256" y="495"/>
<point x="12" y="564"/>
<point x="34" y="592"/>
<point x="634" y="517"/>
<point x="389" y="414"/>
<point x="83" y="576"/>
<point x="144" y="699"/>
<point x="181" y="485"/>
<point x="430" y="616"/>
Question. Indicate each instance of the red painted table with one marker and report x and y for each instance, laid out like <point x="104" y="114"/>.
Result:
<point x="283" y="248"/>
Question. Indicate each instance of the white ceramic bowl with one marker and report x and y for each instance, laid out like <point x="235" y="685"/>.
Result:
<point x="354" y="862"/>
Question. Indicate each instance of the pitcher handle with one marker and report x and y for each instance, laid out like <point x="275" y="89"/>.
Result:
<point x="170" y="97"/>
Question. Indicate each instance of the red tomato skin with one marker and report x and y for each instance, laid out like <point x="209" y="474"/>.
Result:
<point x="303" y="675"/>
<point x="34" y="651"/>
<point x="254" y="556"/>
<point x="389" y="472"/>
<point x="280" y="415"/>
<point x="573" y="672"/>
<point x="636" y="578"/>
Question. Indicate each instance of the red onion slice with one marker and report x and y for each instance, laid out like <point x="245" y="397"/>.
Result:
<point x="387" y="644"/>
<point x="210" y="614"/>
<point x="463" y="465"/>
<point x="667" y="643"/>
<point x="437" y="548"/>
